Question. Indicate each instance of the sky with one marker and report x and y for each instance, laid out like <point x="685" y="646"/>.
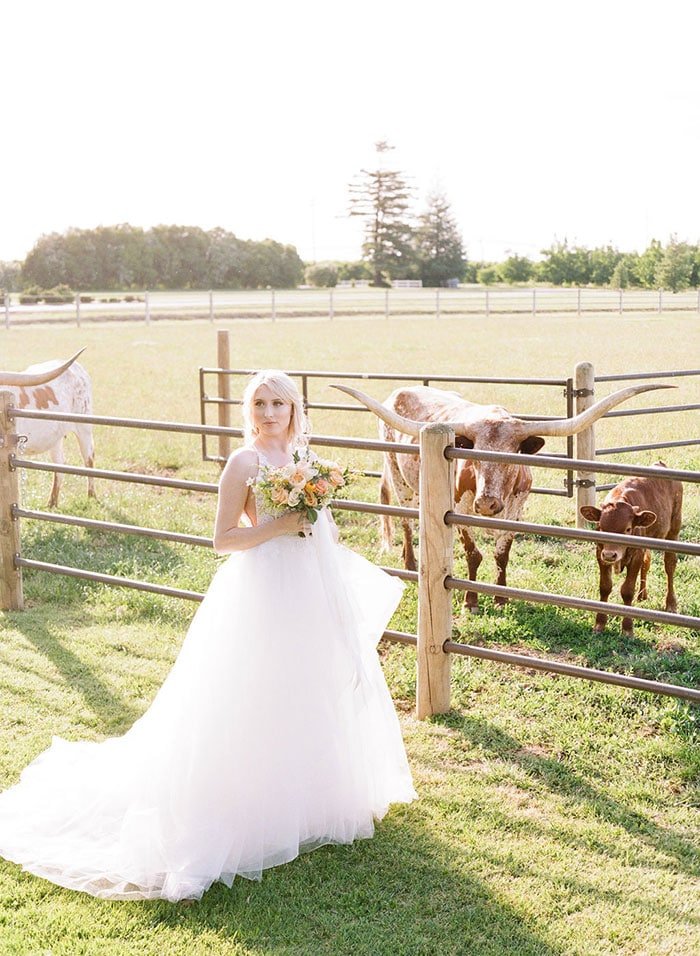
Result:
<point x="540" y="121"/>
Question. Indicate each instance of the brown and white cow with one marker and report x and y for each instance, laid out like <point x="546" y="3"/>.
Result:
<point x="636" y="506"/>
<point x="57" y="387"/>
<point x="486" y="488"/>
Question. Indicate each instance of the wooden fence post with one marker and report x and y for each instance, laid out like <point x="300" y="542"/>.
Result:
<point x="7" y="310"/>
<point x="584" y="390"/>
<point x="77" y="309"/>
<point x="224" y="361"/>
<point x="11" y="598"/>
<point x="434" y="564"/>
<point x="147" y="304"/>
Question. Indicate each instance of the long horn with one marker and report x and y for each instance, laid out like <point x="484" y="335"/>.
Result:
<point x="36" y="378"/>
<point x="570" y="426"/>
<point x="401" y="424"/>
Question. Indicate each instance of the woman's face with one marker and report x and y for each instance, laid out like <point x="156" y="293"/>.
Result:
<point x="271" y="414"/>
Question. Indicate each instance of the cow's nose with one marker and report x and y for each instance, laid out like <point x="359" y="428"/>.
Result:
<point x="486" y="505"/>
<point x="609" y="557"/>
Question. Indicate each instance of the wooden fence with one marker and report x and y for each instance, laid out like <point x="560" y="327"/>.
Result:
<point x="436" y="517"/>
<point x="277" y="304"/>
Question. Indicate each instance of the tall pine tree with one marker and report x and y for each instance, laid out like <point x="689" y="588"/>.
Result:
<point x="381" y="197"/>
<point x="438" y="243"/>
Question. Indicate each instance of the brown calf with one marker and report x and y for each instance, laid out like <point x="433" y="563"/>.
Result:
<point x="637" y="506"/>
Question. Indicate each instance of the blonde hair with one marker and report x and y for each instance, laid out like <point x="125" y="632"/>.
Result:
<point x="282" y="386"/>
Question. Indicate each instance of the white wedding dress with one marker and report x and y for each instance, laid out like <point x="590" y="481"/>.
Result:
<point x="273" y="734"/>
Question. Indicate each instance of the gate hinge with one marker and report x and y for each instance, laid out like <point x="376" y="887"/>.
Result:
<point x="584" y="483"/>
<point x="582" y="392"/>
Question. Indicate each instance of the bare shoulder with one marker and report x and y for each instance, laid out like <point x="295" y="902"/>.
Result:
<point x="241" y="465"/>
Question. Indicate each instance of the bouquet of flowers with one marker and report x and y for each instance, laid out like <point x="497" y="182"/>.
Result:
<point x="306" y="484"/>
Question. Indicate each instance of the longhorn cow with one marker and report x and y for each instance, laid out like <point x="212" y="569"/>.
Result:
<point x="486" y="488"/>
<point x="69" y="391"/>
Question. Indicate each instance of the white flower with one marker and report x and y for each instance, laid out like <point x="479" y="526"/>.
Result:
<point x="294" y="498"/>
<point x="297" y="474"/>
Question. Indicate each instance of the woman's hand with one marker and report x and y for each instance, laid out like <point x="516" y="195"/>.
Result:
<point x="293" y="522"/>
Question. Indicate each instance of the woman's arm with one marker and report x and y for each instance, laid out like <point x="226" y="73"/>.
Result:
<point x="233" y="493"/>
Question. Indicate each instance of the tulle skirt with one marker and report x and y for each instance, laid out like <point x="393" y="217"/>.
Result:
<point x="274" y="733"/>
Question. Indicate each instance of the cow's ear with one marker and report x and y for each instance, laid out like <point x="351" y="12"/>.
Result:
<point x="591" y="513"/>
<point x="531" y="445"/>
<point x="644" y="519"/>
<point x="462" y="442"/>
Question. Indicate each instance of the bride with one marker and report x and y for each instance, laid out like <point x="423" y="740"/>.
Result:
<point x="274" y="732"/>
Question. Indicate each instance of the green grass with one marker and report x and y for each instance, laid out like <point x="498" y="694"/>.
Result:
<point x="555" y="816"/>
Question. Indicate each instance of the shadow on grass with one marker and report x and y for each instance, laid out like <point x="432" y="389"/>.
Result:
<point x="114" y="714"/>
<point x="399" y="894"/>
<point x="99" y="551"/>
<point x="561" y="780"/>
<point x="556" y="630"/>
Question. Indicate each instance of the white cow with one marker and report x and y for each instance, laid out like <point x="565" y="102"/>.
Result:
<point x="55" y="387"/>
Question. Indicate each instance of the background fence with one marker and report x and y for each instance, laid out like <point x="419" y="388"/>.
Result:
<point x="578" y="393"/>
<point x="274" y="304"/>
<point x="436" y="529"/>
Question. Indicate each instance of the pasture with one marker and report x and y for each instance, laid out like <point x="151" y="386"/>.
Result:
<point x="555" y="816"/>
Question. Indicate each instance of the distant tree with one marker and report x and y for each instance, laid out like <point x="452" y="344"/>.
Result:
<point x="469" y="272"/>
<point x="269" y="263"/>
<point x="438" y="243"/>
<point x="676" y="267"/>
<point x="323" y="275"/>
<point x="488" y="274"/>
<point x="45" y="265"/>
<point x="695" y="273"/>
<point x="381" y="198"/>
<point x="620" y="278"/>
<point x="226" y="260"/>
<point x="354" y="270"/>
<point x="601" y="264"/>
<point x="564" y="266"/>
<point x="516" y="269"/>
<point x="10" y="276"/>
<point x="648" y="264"/>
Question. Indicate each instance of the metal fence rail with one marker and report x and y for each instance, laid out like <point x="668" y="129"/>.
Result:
<point x="577" y="604"/>
<point x="572" y="670"/>
<point x="223" y="402"/>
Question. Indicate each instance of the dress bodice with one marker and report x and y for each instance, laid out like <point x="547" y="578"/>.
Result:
<point x="262" y="512"/>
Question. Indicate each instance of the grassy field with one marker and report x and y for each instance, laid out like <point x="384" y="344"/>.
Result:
<point x="555" y="817"/>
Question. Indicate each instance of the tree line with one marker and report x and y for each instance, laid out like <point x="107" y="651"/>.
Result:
<point x="398" y="244"/>
<point x="164" y="257"/>
<point x="675" y="267"/>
